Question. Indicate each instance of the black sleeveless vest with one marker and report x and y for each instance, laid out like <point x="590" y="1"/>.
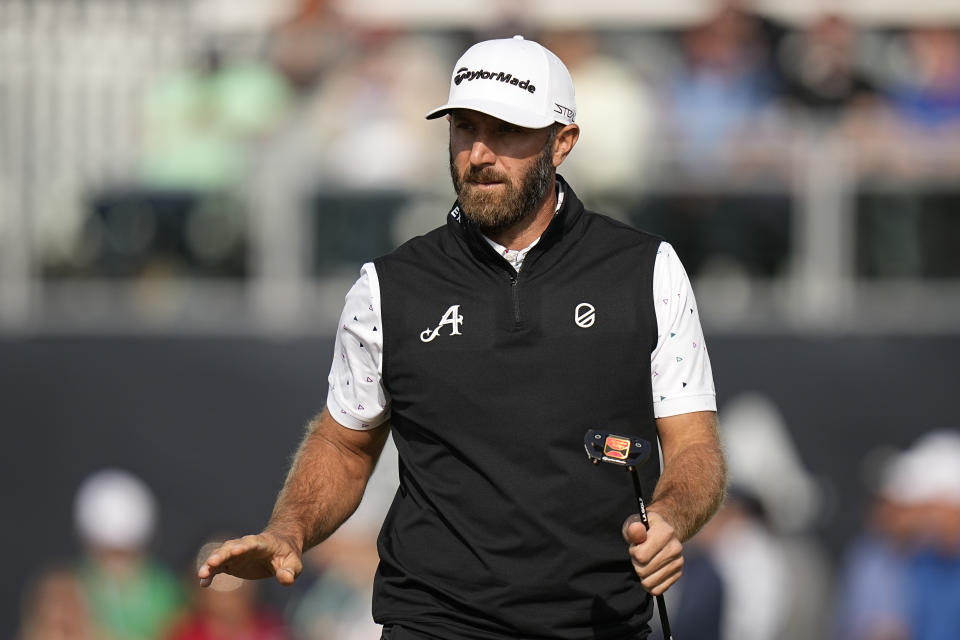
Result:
<point x="501" y="528"/>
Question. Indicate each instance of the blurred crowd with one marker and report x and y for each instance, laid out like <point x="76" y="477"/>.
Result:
<point x="901" y="577"/>
<point x="118" y="589"/>
<point x="755" y="572"/>
<point x="218" y="139"/>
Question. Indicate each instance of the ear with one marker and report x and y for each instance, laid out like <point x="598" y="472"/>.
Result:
<point x="562" y="145"/>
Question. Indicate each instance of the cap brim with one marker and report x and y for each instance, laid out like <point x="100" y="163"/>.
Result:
<point x="519" y="117"/>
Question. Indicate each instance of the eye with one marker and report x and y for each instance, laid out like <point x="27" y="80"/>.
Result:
<point x="509" y="128"/>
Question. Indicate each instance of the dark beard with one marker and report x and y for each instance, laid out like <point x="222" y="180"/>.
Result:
<point x="492" y="212"/>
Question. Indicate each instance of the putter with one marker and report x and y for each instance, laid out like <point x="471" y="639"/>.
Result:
<point x="629" y="453"/>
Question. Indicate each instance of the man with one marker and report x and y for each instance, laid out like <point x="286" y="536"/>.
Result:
<point x="490" y="346"/>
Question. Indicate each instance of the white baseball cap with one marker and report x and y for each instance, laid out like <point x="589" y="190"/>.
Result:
<point x="516" y="80"/>
<point x="928" y="471"/>
<point x="115" y="509"/>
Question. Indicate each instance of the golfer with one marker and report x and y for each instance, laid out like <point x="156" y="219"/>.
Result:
<point x="488" y="347"/>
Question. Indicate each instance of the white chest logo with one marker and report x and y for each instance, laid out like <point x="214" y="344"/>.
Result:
<point x="585" y="315"/>
<point x="451" y="317"/>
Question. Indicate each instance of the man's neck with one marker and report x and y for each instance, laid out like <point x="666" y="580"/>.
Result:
<point x="523" y="232"/>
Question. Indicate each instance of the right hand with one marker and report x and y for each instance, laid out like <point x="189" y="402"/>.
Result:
<point x="254" y="557"/>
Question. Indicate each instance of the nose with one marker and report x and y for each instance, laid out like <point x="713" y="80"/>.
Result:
<point x="481" y="154"/>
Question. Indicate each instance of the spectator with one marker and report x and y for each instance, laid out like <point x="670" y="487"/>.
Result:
<point x="305" y="47"/>
<point x="933" y="473"/>
<point x="202" y="121"/>
<point x="696" y="602"/>
<point x="715" y="102"/>
<point x="821" y="71"/>
<point x="230" y="610"/>
<point x="336" y="602"/>
<point x="928" y="95"/>
<point x="615" y="110"/>
<point x="871" y="602"/>
<point x="54" y="608"/>
<point x="901" y="576"/>
<point x="131" y="597"/>
<point x="919" y="139"/>
<point x="775" y="578"/>
<point x="385" y="103"/>
<point x="753" y="567"/>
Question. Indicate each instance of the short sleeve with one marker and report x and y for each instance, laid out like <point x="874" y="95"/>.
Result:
<point x="679" y="364"/>
<point x="356" y="397"/>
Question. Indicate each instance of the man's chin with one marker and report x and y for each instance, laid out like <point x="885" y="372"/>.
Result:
<point x="491" y="222"/>
<point x="481" y="216"/>
<point x="490" y="208"/>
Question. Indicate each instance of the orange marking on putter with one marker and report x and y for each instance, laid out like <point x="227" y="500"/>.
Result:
<point x="616" y="447"/>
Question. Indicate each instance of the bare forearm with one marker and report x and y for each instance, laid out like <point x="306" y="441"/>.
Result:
<point x="692" y="485"/>
<point x="325" y="483"/>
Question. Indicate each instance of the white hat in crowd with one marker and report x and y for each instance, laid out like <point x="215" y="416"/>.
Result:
<point x="516" y="80"/>
<point x="929" y="471"/>
<point x="115" y="509"/>
<point x="763" y="461"/>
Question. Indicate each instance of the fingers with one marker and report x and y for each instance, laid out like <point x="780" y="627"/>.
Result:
<point x="287" y="575"/>
<point x="252" y="557"/>
<point x="218" y="560"/>
<point x="287" y="570"/>
<point x="657" y="554"/>
<point x="211" y="565"/>
<point x="225" y="551"/>
<point x="633" y="530"/>
<point x="657" y="580"/>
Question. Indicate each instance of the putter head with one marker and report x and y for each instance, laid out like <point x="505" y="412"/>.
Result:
<point x="603" y="446"/>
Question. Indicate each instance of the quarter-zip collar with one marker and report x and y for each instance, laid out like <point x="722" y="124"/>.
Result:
<point x="571" y="210"/>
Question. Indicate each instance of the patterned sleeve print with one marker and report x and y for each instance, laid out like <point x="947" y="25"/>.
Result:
<point x="356" y="397"/>
<point x="679" y="365"/>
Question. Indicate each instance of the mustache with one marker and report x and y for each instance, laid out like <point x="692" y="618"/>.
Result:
<point x="484" y="174"/>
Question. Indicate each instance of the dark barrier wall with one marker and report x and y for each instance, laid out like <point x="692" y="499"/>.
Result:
<point x="210" y="424"/>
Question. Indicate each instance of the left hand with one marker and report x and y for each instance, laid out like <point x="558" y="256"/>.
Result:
<point x="657" y="554"/>
<point x="254" y="557"/>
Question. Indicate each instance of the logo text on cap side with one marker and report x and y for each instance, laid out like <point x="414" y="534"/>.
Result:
<point x="564" y="111"/>
<point x="463" y="73"/>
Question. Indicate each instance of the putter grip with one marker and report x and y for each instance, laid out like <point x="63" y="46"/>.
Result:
<point x="642" y="508"/>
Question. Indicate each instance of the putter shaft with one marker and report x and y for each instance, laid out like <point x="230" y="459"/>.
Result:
<point x="642" y="509"/>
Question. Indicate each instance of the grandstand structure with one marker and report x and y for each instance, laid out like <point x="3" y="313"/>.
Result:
<point x="75" y="129"/>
